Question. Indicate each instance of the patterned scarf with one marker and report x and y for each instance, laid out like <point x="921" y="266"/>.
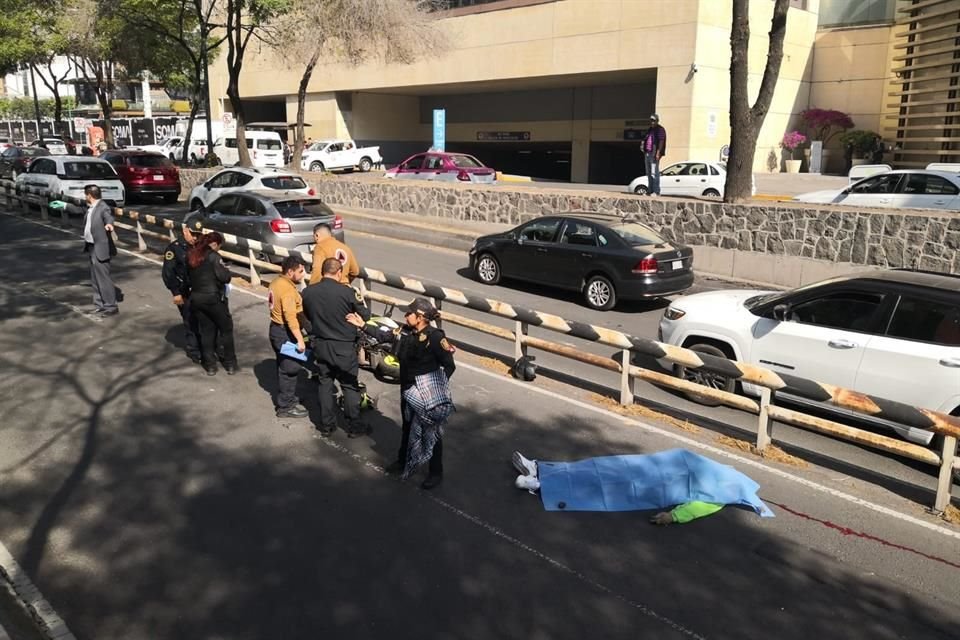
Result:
<point x="427" y="405"/>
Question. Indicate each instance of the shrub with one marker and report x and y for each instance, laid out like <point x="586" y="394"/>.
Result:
<point x="791" y="140"/>
<point x="861" y="140"/>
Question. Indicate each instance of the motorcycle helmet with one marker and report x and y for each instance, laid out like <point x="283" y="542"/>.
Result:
<point x="524" y="369"/>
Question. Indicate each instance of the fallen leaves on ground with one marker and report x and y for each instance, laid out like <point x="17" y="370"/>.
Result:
<point x="772" y="452"/>
<point x="497" y="366"/>
<point x="640" y="411"/>
<point x="951" y="514"/>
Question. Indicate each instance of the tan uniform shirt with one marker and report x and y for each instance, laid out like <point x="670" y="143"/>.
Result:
<point x="333" y="248"/>
<point x="285" y="304"/>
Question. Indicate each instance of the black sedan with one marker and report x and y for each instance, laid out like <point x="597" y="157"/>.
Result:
<point x="606" y="258"/>
<point x="15" y="160"/>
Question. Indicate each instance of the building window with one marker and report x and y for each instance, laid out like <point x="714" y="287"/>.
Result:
<point x="844" y="13"/>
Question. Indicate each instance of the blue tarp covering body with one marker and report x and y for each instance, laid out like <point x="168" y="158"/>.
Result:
<point x="640" y="482"/>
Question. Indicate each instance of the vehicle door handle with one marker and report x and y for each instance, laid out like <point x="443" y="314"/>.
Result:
<point x="586" y="255"/>
<point x="950" y="362"/>
<point x="939" y="202"/>
<point x="703" y="179"/>
<point x="541" y="250"/>
<point x="843" y="344"/>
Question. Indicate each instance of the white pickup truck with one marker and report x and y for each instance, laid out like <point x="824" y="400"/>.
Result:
<point x="172" y="148"/>
<point x="331" y="155"/>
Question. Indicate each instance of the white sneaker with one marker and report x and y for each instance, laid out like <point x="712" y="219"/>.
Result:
<point x="529" y="483"/>
<point x="523" y="465"/>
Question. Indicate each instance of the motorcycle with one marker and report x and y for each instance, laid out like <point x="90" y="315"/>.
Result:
<point x="379" y="354"/>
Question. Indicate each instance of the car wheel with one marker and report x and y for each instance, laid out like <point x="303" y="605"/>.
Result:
<point x="641" y="190"/>
<point x="172" y="159"/>
<point x="599" y="293"/>
<point x="707" y="379"/>
<point x="711" y="193"/>
<point x="194" y="160"/>
<point x="365" y="164"/>
<point x="316" y="166"/>
<point x="196" y="205"/>
<point x="488" y="269"/>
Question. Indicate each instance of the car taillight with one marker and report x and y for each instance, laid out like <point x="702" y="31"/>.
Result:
<point x="337" y="222"/>
<point x="280" y="226"/>
<point x="311" y="192"/>
<point x="463" y="176"/>
<point x="646" y="266"/>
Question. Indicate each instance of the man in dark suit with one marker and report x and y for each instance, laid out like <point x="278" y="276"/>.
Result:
<point x="98" y="242"/>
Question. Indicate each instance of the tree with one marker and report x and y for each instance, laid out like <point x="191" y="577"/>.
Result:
<point x="246" y="20"/>
<point x="746" y="120"/>
<point x="354" y="31"/>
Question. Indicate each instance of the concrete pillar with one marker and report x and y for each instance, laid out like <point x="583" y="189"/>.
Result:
<point x="580" y="135"/>
<point x="145" y="88"/>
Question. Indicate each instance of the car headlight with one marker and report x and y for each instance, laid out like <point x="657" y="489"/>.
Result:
<point x="672" y="313"/>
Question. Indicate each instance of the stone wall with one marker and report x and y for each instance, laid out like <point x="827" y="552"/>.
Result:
<point x="877" y="238"/>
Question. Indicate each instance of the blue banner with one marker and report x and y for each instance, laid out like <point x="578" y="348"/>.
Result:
<point x="439" y="129"/>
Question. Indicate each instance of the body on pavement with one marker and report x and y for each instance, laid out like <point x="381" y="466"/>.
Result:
<point x="98" y="243"/>
<point x="326" y="246"/>
<point x="326" y="304"/>
<point x="654" y="148"/>
<point x="286" y="325"/>
<point x="176" y="278"/>
<point x="426" y="364"/>
<point x="209" y="278"/>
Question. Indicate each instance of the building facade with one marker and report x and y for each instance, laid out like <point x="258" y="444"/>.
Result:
<point x="560" y="89"/>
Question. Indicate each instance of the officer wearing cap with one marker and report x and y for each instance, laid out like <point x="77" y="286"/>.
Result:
<point x="176" y="278"/>
<point x="326" y="304"/>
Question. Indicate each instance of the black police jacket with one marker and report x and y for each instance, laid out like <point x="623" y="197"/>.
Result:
<point x="176" y="276"/>
<point x="419" y="352"/>
<point x="326" y="305"/>
<point x="208" y="281"/>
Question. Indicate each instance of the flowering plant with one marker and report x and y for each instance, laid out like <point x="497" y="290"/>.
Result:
<point x="824" y="124"/>
<point x="792" y="140"/>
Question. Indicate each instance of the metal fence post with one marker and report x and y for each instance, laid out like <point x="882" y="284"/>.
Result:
<point x="626" y="381"/>
<point x="519" y="347"/>
<point x="254" y="276"/>
<point x="763" y="422"/>
<point x="141" y="243"/>
<point x="439" y="305"/>
<point x="173" y="236"/>
<point x="945" y="481"/>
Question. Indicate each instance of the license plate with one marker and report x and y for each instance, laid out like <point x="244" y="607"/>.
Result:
<point x="156" y="177"/>
<point x="677" y="264"/>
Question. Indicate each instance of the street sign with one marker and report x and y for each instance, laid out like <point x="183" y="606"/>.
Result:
<point x="503" y="136"/>
<point x="79" y="124"/>
<point x="439" y="129"/>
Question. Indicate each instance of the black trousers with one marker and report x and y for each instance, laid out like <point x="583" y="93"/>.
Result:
<point x="214" y="321"/>
<point x="191" y="332"/>
<point x="435" y="466"/>
<point x="287" y="368"/>
<point x="337" y="361"/>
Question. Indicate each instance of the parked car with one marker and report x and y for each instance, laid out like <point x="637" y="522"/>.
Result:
<point x="172" y="148"/>
<point x="145" y="174"/>
<point x="688" y="178"/>
<point x="606" y="258"/>
<point x="56" y="146"/>
<point x="329" y="155"/>
<point x="15" y="160"/>
<point x="265" y="147"/>
<point x="442" y="167"/>
<point x="283" y="219"/>
<point x="894" y="334"/>
<point x="60" y="176"/>
<point x="246" y="179"/>
<point x="6" y="143"/>
<point x="900" y="189"/>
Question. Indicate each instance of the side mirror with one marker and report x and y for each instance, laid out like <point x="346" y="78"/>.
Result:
<point x="781" y="311"/>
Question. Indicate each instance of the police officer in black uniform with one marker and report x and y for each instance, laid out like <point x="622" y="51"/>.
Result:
<point x="326" y="305"/>
<point x="176" y="278"/>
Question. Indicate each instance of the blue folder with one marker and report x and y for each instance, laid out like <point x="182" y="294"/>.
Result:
<point x="289" y="349"/>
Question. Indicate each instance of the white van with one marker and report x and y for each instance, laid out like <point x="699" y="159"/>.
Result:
<point x="266" y="149"/>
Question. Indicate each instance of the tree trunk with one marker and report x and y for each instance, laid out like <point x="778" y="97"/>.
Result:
<point x="243" y="154"/>
<point x="746" y="121"/>
<point x="235" y="50"/>
<point x="194" y="107"/>
<point x="102" y="73"/>
<point x="298" y="136"/>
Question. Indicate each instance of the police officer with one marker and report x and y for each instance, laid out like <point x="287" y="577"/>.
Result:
<point x="286" y="320"/>
<point x="326" y="304"/>
<point x="176" y="278"/>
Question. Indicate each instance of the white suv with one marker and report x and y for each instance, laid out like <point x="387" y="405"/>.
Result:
<point x="246" y="179"/>
<point x="893" y="334"/>
<point x="60" y="176"/>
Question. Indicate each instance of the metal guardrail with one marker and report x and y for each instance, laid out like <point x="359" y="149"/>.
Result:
<point x="769" y="381"/>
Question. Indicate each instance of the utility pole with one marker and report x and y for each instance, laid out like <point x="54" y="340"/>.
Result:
<point x="36" y="103"/>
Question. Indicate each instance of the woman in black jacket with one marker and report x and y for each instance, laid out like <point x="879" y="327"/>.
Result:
<point x="208" y="299"/>
<point x="426" y="364"/>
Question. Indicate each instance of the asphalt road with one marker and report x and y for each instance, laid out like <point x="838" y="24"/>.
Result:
<point x="150" y="501"/>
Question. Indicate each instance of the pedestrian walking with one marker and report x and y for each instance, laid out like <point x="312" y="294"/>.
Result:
<point x="326" y="246"/>
<point x="208" y="299"/>
<point x="98" y="243"/>
<point x="654" y="148"/>
<point x="426" y="364"/>
<point x="326" y="304"/>
<point x="286" y="324"/>
<point x="176" y="278"/>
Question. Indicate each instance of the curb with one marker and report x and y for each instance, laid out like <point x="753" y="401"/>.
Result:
<point x="772" y="196"/>
<point x="436" y="235"/>
<point x="50" y="625"/>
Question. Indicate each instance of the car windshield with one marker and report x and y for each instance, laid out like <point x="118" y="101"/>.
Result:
<point x="150" y="161"/>
<point x="284" y="182"/>
<point x="269" y="145"/>
<point x="303" y="209"/>
<point x="466" y="162"/>
<point x="88" y="170"/>
<point x="634" y="233"/>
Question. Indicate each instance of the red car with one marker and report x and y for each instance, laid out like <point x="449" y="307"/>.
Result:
<point x="144" y="173"/>
<point x="442" y="167"/>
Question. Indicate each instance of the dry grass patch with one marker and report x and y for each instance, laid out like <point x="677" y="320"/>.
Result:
<point x="772" y="452"/>
<point x="951" y="514"/>
<point x="497" y="366"/>
<point x="640" y="411"/>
